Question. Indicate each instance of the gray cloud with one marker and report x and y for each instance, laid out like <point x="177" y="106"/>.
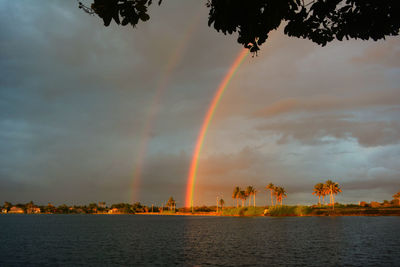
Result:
<point x="384" y="54"/>
<point x="316" y="130"/>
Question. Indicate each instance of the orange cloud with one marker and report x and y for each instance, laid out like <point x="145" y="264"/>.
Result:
<point x="385" y="53"/>
<point x="329" y="103"/>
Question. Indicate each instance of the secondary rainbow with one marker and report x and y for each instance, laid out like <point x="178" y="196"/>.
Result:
<point x="173" y="61"/>
<point x="206" y="123"/>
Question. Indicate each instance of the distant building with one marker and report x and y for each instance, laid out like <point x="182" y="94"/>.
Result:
<point x="375" y="204"/>
<point x="33" y="210"/>
<point x="16" y="210"/>
<point x="114" y="211"/>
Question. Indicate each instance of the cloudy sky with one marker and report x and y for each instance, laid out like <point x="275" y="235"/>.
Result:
<point x="89" y="113"/>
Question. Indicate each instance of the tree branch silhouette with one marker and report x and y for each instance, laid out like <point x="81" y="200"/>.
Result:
<point x="320" y="21"/>
<point x="123" y="12"/>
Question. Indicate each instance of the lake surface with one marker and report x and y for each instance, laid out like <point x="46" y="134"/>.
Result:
<point x="128" y="240"/>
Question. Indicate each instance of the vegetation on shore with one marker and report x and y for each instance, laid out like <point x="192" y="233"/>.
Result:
<point x="249" y="192"/>
<point x="243" y="211"/>
<point x="328" y="188"/>
<point x="92" y="208"/>
<point x="289" y="210"/>
<point x="385" y="208"/>
<point x="276" y="192"/>
<point x="299" y="210"/>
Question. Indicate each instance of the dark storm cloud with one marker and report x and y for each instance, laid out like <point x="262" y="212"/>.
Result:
<point x="75" y="98"/>
<point x="72" y="106"/>
<point x="386" y="184"/>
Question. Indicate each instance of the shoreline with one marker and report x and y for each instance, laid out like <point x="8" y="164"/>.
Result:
<point x="261" y="215"/>
<point x="284" y="211"/>
<point x="216" y="215"/>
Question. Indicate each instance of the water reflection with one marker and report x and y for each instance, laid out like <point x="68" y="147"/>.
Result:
<point x="217" y="241"/>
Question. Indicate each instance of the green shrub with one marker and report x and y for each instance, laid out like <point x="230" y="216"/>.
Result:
<point x="231" y="211"/>
<point x="353" y="206"/>
<point x="303" y="210"/>
<point x="290" y="210"/>
<point x="243" y="211"/>
<point x="319" y="212"/>
<point x="254" y="211"/>
<point x="281" y="210"/>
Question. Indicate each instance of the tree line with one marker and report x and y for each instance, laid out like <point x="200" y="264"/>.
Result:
<point x="91" y="208"/>
<point x="277" y="192"/>
<point x="397" y="196"/>
<point x="324" y="189"/>
<point x="249" y="192"/>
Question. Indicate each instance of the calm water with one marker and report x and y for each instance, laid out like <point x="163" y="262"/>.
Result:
<point x="217" y="241"/>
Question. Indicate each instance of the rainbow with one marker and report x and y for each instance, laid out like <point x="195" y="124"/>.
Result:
<point x="173" y="61"/>
<point x="206" y="123"/>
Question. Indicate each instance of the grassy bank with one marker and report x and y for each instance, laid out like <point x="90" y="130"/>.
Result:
<point x="355" y="211"/>
<point x="341" y="210"/>
<point x="290" y="211"/>
<point x="273" y="211"/>
<point x="243" y="211"/>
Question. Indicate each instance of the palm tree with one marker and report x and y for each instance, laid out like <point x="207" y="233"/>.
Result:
<point x="242" y="196"/>
<point x="332" y="189"/>
<point x="280" y="194"/>
<point x="171" y="203"/>
<point x="221" y="203"/>
<point x="319" y="191"/>
<point x="325" y="192"/>
<point x="254" y="196"/>
<point x="271" y="187"/>
<point x="235" y="195"/>
<point x="335" y="190"/>
<point x="276" y="194"/>
<point x="249" y="192"/>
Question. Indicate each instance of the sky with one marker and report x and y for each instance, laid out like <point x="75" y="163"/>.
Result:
<point x="83" y="107"/>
